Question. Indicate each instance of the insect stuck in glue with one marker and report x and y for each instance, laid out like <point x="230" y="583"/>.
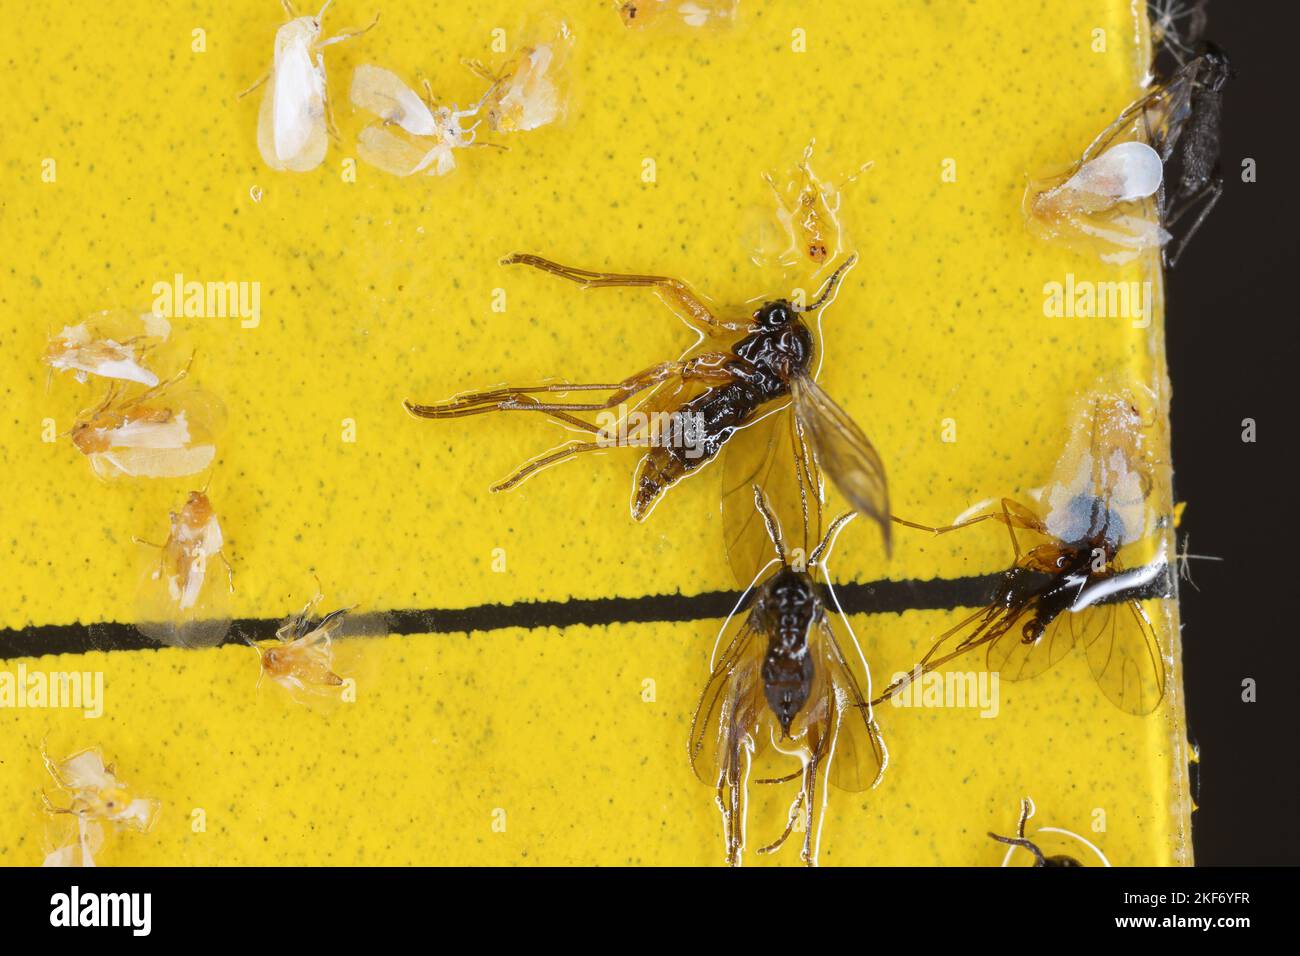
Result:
<point x="294" y="123"/>
<point x="110" y="344"/>
<point x="183" y="603"/>
<point x="300" y="658"/>
<point x="434" y="132"/>
<point x="155" y="433"/>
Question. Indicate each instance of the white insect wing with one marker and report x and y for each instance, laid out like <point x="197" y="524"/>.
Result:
<point x="383" y="93"/>
<point x="291" y="127"/>
<point x="1124" y="173"/>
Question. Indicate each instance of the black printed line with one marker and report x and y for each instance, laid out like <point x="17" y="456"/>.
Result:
<point x="875" y="597"/>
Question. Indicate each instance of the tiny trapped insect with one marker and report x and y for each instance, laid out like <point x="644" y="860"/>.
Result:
<point x="294" y="122"/>
<point x="1076" y="586"/>
<point x="528" y="91"/>
<point x="137" y="435"/>
<point x="808" y="212"/>
<point x="1117" y="200"/>
<point x="691" y="13"/>
<point x="1057" y="835"/>
<point x="740" y="372"/>
<point x="781" y="676"/>
<point x="181" y="605"/>
<point x="435" y="131"/>
<point x="111" y="344"/>
<point x="97" y="793"/>
<point x="300" y="658"/>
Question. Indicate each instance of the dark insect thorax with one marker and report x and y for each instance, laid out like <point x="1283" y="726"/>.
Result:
<point x="784" y="613"/>
<point x="779" y="347"/>
<point x="1199" y="142"/>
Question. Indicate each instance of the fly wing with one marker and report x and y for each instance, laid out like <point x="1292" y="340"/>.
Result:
<point x="1016" y="659"/>
<point x="843" y="451"/>
<point x="859" y="755"/>
<point x="1124" y="655"/>
<point x="726" y="718"/>
<point x="772" y="454"/>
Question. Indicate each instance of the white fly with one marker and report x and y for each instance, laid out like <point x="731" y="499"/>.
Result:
<point x="294" y="124"/>
<point x="435" y="131"/>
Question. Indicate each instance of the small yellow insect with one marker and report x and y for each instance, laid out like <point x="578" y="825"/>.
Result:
<point x="528" y="91"/>
<point x="808" y="212"/>
<point x="300" y="658"/>
<point x="97" y="793"/>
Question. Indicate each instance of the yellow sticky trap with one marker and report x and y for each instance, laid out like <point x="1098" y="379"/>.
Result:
<point x="354" y="290"/>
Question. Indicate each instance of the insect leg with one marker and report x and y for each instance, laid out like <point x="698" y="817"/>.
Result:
<point x="339" y="38"/>
<point x="795" y="808"/>
<point x="679" y="296"/>
<point x="1213" y="190"/>
<point x="571" y="450"/>
<point x="265" y="76"/>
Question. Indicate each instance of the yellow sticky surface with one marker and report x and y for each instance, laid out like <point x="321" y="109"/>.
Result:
<point x="540" y="746"/>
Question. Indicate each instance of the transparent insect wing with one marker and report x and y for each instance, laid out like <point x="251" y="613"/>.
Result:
<point x="727" y="718"/>
<point x="1106" y="474"/>
<point x="856" y="751"/>
<point x="77" y="843"/>
<point x="164" y="435"/>
<point x="843" y="451"/>
<point x="291" y="128"/>
<point x="773" y="454"/>
<point x="383" y="93"/>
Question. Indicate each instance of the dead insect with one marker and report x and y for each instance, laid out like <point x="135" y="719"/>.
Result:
<point x="528" y="91"/>
<point x="138" y="435"/>
<point x="1117" y="198"/>
<point x="112" y="344"/>
<point x="180" y="604"/>
<point x="1075" y="586"/>
<point x="740" y="372"/>
<point x="300" y="658"/>
<point x="1027" y="810"/>
<point x="96" y="792"/>
<point x="781" y="676"/>
<point x="808" y="212"/>
<point x="690" y="13"/>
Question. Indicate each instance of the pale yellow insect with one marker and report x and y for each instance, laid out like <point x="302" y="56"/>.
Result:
<point x="148" y="434"/>
<point x="528" y="90"/>
<point x="181" y="604"/>
<point x="110" y="344"/>
<point x="96" y="792"/>
<point x="300" y="658"/>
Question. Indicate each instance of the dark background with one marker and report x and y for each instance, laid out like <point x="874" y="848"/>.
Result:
<point x="1231" y="307"/>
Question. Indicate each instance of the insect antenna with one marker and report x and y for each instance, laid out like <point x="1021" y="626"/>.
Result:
<point x="1023" y="844"/>
<point x="773" y="526"/>
<point x="826" y="542"/>
<point x="829" y="288"/>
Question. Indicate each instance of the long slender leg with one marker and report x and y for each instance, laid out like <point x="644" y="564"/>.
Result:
<point x="926" y="664"/>
<point x="1214" y="190"/>
<point x="675" y="292"/>
<point x="340" y="37"/>
<point x="256" y="83"/>
<point x="789" y="826"/>
<point x="1003" y="516"/>
<point x="516" y="399"/>
<point x="571" y="450"/>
